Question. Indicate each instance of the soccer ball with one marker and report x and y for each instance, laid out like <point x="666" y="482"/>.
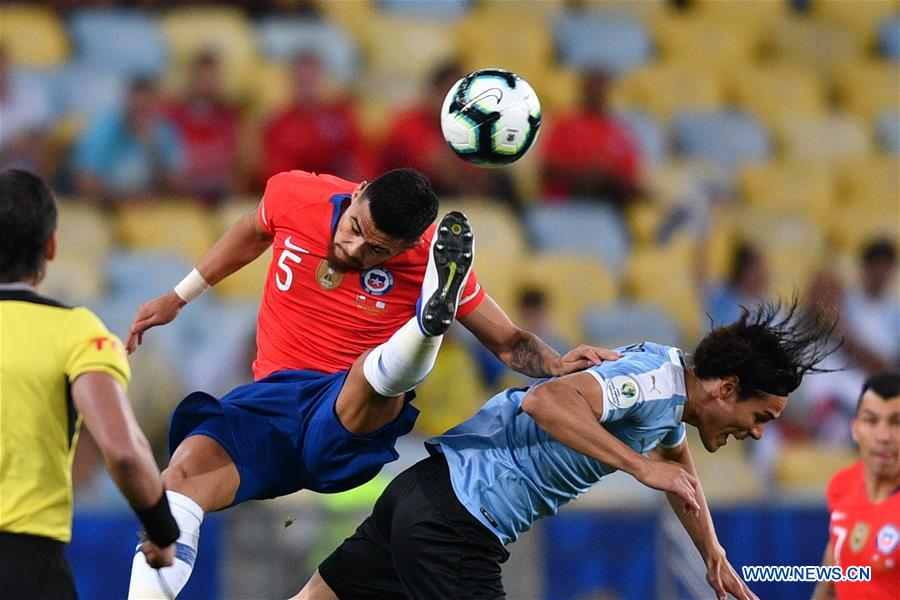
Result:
<point x="491" y="117"/>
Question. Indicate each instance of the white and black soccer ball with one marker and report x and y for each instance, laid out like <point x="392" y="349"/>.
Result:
<point x="491" y="117"/>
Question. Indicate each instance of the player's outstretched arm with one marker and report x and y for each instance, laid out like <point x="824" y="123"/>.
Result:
<point x="825" y="589"/>
<point x="569" y="409"/>
<point x="720" y="575"/>
<point x="522" y="350"/>
<point x="243" y="243"/>
<point x="101" y="401"/>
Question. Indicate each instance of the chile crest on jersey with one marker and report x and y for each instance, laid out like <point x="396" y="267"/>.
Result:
<point x="376" y="281"/>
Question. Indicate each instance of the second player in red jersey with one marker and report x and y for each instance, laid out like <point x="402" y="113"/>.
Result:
<point x="864" y="499"/>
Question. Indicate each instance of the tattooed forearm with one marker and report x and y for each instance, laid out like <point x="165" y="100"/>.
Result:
<point x="532" y="356"/>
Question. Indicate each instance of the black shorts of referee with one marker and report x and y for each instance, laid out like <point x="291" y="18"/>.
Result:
<point x="35" y="568"/>
<point x="419" y="542"/>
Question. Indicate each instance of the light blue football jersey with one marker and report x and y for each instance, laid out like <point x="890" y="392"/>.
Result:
<point x="508" y="472"/>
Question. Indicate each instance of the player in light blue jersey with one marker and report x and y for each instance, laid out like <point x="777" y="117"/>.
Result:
<point x="440" y="528"/>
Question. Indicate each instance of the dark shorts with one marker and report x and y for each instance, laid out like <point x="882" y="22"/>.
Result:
<point x="283" y="434"/>
<point x="34" y="567"/>
<point x="419" y="542"/>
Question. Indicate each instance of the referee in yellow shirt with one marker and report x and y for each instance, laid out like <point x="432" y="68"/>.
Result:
<point x="59" y="366"/>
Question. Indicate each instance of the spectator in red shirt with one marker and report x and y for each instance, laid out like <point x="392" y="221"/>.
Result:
<point x="414" y="140"/>
<point x="314" y="133"/>
<point x="208" y="124"/>
<point x="587" y="153"/>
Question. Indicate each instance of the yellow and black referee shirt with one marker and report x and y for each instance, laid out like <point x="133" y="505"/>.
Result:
<point x="44" y="347"/>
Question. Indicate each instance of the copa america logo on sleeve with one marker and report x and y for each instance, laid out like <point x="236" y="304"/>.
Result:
<point x="377" y="281"/>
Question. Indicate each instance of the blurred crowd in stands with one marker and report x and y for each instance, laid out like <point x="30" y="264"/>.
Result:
<point x="695" y="157"/>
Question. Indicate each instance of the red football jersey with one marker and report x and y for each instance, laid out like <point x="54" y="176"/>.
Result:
<point x="864" y="534"/>
<point x="312" y="317"/>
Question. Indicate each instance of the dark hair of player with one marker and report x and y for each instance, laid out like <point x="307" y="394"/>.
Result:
<point x="769" y="349"/>
<point x="27" y="220"/>
<point x="402" y="203"/>
<point x="886" y="385"/>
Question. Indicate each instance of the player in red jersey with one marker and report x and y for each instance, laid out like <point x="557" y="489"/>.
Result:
<point x="360" y="289"/>
<point x="864" y="499"/>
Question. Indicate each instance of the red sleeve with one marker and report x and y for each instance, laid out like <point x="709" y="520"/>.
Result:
<point x="273" y="202"/>
<point x="291" y="190"/>
<point x="472" y="296"/>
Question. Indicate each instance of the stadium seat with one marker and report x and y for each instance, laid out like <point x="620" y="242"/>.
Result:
<point x="179" y="227"/>
<point x="626" y="322"/>
<point x="571" y="284"/>
<point x="283" y="38"/>
<point x="189" y="30"/>
<point x="776" y="93"/>
<point x="811" y="43"/>
<point x="806" y="469"/>
<point x="452" y="392"/>
<point x="870" y="184"/>
<point x="728" y="138"/>
<point x="589" y="229"/>
<point x="788" y="188"/>
<point x="665" y="89"/>
<point x="139" y="275"/>
<point x="124" y="42"/>
<point x="431" y="10"/>
<point x="83" y="231"/>
<point x="849" y="230"/>
<point x="74" y="280"/>
<point x="860" y="18"/>
<point x="353" y="17"/>
<point x="270" y="88"/>
<point x="644" y="220"/>
<point x="887" y="130"/>
<point x="824" y="139"/>
<point x="703" y="43"/>
<point x="511" y="34"/>
<point x="86" y="92"/>
<point x="889" y="37"/>
<point x="664" y="276"/>
<point x="649" y="134"/>
<point x="247" y="283"/>
<point x="597" y="39"/>
<point x="34" y="36"/>
<point x="868" y="88"/>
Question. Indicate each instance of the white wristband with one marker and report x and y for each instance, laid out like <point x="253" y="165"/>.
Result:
<point x="191" y="286"/>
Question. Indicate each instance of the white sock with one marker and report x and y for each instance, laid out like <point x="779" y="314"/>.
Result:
<point x="166" y="583"/>
<point x="402" y="362"/>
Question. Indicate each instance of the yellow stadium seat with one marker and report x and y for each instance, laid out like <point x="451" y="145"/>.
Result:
<point x="271" y="87"/>
<point x="753" y="17"/>
<point x="793" y="245"/>
<point x="352" y="15"/>
<point x="451" y="393"/>
<point x="860" y="18"/>
<point x="719" y="243"/>
<point x="871" y="184"/>
<point x="665" y="276"/>
<point x="775" y="93"/>
<point x="813" y="44"/>
<point x="247" y="283"/>
<point x="74" y="279"/>
<point x="665" y="89"/>
<point x="694" y="42"/>
<point x="571" y="284"/>
<point x="181" y="227"/>
<point x="868" y="88"/>
<point x="824" y="140"/>
<point x="34" y="36"/>
<point x="83" y="231"/>
<point x="644" y="219"/>
<point x="849" y="229"/>
<point x="808" y="467"/>
<point x="189" y="30"/>
<point x="729" y="476"/>
<point x="506" y="35"/>
<point x="788" y="188"/>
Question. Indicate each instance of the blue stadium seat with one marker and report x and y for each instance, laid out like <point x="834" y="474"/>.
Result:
<point x="597" y="40"/>
<point x="649" y="135"/>
<point x="727" y="138"/>
<point x="889" y="38"/>
<point x="281" y="39"/>
<point x="888" y="131"/>
<point x="87" y="92"/>
<point x="584" y="228"/>
<point x="433" y="9"/>
<point x="628" y="322"/>
<point x="124" y="42"/>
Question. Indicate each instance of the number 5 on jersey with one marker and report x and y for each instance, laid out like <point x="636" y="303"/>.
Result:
<point x="288" y="255"/>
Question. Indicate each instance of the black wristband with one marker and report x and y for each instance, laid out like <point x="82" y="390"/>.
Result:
<point x="158" y="522"/>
